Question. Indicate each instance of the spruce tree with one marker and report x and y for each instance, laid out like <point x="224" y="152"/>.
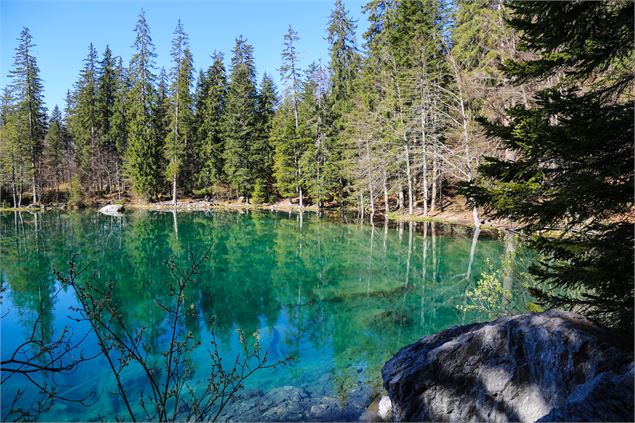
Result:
<point x="288" y="147"/>
<point x="211" y="100"/>
<point x="287" y="152"/>
<point x="180" y="113"/>
<point x="240" y="123"/>
<point x="105" y="103"/>
<point x="118" y="130"/>
<point x="574" y="167"/>
<point x="144" y="152"/>
<point x="56" y="149"/>
<point x="345" y="60"/>
<point x="30" y="113"/>
<point x="262" y="151"/>
<point x="344" y="69"/>
<point x="318" y="163"/>
<point x="85" y="123"/>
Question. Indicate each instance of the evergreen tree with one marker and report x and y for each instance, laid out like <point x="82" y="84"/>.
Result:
<point x="262" y="152"/>
<point x="344" y="69"/>
<point x="84" y="125"/>
<point x="287" y="151"/>
<point x="344" y="55"/>
<point x="289" y="70"/>
<point x="105" y="103"/>
<point x="574" y="166"/>
<point x="30" y="113"/>
<point x="56" y="149"/>
<point x="117" y="134"/>
<point x="211" y="99"/>
<point x="13" y="155"/>
<point x="288" y="147"/>
<point x="144" y="152"/>
<point x="317" y="164"/>
<point x="240" y="125"/>
<point x="180" y="114"/>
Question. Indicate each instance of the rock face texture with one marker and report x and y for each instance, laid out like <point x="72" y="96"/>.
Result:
<point x="550" y="366"/>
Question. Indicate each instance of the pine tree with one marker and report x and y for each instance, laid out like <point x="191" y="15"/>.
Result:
<point x="180" y="114"/>
<point x="240" y="125"/>
<point x="30" y="113"/>
<point x="573" y="169"/>
<point x="211" y="100"/>
<point x="144" y="152"/>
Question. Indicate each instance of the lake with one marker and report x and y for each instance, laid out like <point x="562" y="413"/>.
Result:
<point x="342" y="297"/>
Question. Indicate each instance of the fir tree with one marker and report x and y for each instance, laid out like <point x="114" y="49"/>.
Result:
<point x="144" y="152"/>
<point x="574" y="166"/>
<point x="289" y="70"/>
<point x="211" y="98"/>
<point x="30" y="113"/>
<point x="240" y="123"/>
<point x="180" y="114"/>
<point x="344" y="55"/>
<point x="287" y="151"/>
<point x="56" y="148"/>
<point x="262" y="152"/>
<point x="344" y="69"/>
<point x="117" y="134"/>
<point x="320" y="161"/>
<point x="288" y="146"/>
<point x="85" y="122"/>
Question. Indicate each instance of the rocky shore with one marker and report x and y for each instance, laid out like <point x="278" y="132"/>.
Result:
<point x="550" y="366"/>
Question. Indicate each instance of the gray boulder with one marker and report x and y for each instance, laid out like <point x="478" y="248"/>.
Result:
<point x="550" y="366"/>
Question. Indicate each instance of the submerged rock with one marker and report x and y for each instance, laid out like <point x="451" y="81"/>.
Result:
<point x="112" y="209"/>
<point x="292" y="404"/>
<point x="550" y="366"/>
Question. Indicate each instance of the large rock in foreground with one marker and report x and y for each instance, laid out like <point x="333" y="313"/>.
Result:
<point x="551" y="366"/>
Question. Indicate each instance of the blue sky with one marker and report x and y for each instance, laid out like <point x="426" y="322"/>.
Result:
<point x="62" y="31"/>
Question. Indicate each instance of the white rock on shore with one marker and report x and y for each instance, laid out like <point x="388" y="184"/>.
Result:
<point x="112" y="209"/>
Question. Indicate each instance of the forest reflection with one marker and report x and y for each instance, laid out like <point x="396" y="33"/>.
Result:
<point x="339" y="296"/>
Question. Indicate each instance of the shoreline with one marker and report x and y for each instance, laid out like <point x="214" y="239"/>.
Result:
<point x="452" y="217"/>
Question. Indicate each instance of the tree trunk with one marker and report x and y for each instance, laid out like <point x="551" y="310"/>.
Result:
<point x="409" y="177"/>
<point x="425" y="181"/>
<point x="386" y="203"/>
<point x="435" y="173"/>
<point x="174" y="190"/>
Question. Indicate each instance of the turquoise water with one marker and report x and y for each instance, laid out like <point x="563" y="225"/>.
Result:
<point x="342" y="297"/>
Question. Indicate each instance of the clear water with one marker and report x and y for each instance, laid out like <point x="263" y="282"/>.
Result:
<point x="342" y="297"/>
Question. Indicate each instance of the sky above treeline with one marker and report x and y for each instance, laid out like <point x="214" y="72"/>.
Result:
<point x="62" y="31"/>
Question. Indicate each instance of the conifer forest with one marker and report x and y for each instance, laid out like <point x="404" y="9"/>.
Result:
<point x="513" y="114"/>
